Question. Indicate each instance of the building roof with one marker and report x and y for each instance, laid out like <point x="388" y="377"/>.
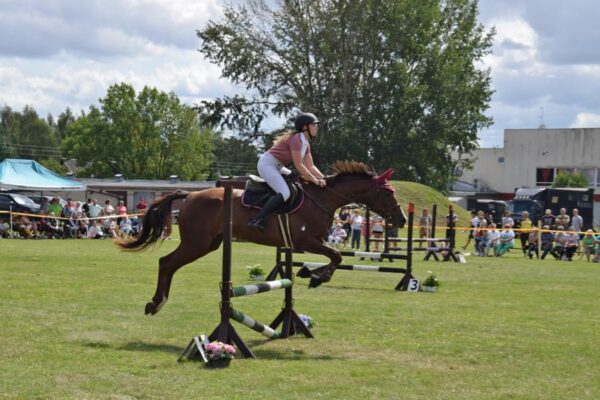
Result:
<point x="141" y="184"/>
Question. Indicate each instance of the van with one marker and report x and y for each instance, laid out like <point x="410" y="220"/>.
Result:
<point x="18" y="203"/>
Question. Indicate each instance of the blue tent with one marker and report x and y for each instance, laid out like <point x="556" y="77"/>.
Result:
<point x="29" y="175"/>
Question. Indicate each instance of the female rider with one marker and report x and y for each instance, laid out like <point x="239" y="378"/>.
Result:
<point x="291" y="147"/>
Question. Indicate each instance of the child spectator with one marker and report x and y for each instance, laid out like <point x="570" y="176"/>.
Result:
<point x="589" y="242"/>
<point x="533" y="243"/>
<point x="547" y="241"/>
<point x="338" y="235"/>
<point x="125" y="227"/>
<point x="424" y="225"/>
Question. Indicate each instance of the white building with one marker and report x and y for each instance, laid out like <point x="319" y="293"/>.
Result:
<point x="533" y="157"/>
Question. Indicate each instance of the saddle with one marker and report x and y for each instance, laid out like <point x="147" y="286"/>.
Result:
<point x="257" y="191"/>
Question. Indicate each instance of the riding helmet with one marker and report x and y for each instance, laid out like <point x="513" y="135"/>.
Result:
<point x="304" y="119"/>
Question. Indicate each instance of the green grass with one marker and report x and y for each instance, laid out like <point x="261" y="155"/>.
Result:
<point x="73" y="327"/>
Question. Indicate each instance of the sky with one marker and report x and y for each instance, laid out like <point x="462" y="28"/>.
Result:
<point x="55" y="54"/>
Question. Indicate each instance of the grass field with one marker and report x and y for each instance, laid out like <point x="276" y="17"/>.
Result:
<point x="73" y="327"/>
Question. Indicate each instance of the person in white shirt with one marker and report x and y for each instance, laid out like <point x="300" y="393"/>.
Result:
<point x="356" y="224"/>
<point x="95" y="231"/>
<point x="338" y="235"/>
<point x="493" y="237"/>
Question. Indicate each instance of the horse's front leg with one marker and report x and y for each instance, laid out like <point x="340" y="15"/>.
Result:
<point x="323" y="274"/>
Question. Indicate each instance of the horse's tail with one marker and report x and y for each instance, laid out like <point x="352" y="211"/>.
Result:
<point x="156" y="221"/>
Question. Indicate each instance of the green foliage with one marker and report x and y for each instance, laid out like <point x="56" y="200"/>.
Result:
<point x="146" y="135"/>
<point x="25" y="135"/>
<point x="570" y="179"/>
<point x="431" y="280"/>
<point x="396" y="83"/>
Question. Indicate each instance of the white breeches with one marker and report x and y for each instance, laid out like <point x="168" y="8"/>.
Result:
<point x="270" y="169"/>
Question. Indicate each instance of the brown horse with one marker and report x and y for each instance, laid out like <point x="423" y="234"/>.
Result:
<point x="201" y="222"/>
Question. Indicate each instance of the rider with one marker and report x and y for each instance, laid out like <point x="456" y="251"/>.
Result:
<point x="292" y="146"/>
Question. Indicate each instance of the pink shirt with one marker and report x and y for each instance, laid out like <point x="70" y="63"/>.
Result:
<point x="282" y="151"/>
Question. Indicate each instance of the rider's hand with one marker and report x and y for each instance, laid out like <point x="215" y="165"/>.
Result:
<point x="321" y="182"/>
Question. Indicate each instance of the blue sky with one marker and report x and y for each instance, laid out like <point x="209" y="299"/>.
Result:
<point x="65" y="53"/>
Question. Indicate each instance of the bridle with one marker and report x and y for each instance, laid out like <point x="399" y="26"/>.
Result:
<point x="387" y="213"/>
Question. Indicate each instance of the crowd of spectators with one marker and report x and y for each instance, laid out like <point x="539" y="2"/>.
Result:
<point x="75" y="220"/>
<point x="561" y="236"/>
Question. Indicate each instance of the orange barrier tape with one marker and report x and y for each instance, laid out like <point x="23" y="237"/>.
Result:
<point x="46" y="216"/>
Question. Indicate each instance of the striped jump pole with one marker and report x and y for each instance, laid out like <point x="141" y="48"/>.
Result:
<point x="371" y="254"/>
<point x="355" y="267"/>
<point x="251" y="323"/>
<point x="248" y="290"/>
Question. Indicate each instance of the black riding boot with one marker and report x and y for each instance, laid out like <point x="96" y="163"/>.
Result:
<point x="271" y="205"/>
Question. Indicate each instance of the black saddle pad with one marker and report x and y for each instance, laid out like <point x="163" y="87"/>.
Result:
<point x="257" y="193"/>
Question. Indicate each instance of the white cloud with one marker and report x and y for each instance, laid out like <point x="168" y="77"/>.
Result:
<point x="586" y="120"/>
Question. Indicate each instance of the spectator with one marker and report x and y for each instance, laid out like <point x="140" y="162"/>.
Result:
<point x="506" y="241"/>
<point x="121" y="211"/>
<point x="525" y="227"/>
<point x="86" y="207"/>
<point x="55" y="206"/>
<point x="560" y="239"/>
<point x="451" y="227"/>
<point x="94" y="209"/>
<point x="547" y="241"/>
<point x="474" y="221"/>
<point x="141" y="206"/>
<point x="109" y="227"/>
<point x="338" y="235"/>
<point x="425" y="223"/>
<point x="44" y="207"/>
<point x="562" y="219"/>
<point x="377" y="228"/>
<point x="480" y="234"/>
<point x="95" y="231"/>
<point x="108" y="208"/>
<point x="345" y="218"/>
<point x="125" y="227"/>
<point x="571" y="243"/>
<point x="577" y="223"/>
<point x="51" y="226"/>
<point x="70" y="226"/>
<point x="589" y="243"/>
<point x="356" y="224"/>
<point x="507" y="219"/>
<point x="492" y="240"/>
<point x="532" y="246"/>
<point x="548" y="219"/>
<point x="4" y="229"/>
<point x="82" y="226"/>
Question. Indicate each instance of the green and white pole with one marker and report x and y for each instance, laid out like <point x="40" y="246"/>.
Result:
<point x="264" y="330"/>
<point x="261" y="287"/>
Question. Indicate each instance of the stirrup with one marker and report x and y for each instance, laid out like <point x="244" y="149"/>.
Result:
<point x="257" y="224"/>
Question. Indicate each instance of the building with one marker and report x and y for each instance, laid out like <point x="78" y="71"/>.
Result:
<point x="533" y="157"/>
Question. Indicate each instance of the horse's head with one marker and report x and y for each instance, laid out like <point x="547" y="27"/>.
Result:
<point x="353" y="181"/>
<point x="383" y="202"/>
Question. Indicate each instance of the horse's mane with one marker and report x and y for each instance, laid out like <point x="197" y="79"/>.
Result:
<point x="342" y="168"/>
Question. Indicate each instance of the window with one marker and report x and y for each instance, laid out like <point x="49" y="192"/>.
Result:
<point x="544" y="176"/>
<point x="500" y="159"/>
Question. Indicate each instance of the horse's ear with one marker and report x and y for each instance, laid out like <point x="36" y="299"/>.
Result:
<point x="384" y="177"/>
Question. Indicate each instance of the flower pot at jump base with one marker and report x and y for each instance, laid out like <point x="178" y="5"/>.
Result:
<point x="220" y="363"/>
<point x="431" y="289"/>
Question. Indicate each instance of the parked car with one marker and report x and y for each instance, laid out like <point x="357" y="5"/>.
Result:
<point x="18" y="202"/>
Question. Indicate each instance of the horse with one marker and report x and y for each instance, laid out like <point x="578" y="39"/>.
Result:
<point x="201" y="222"/>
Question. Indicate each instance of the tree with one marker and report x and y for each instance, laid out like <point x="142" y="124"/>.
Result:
<point x="570" y="179"/>
<point x="395" y="82"/>
<point x="232" y="156"/>
<point x="147" y="135"/>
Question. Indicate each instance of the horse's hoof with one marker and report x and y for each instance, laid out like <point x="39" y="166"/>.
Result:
<point x="304" y="272"/>
<point x="150" y="309"/>
<point x="315" y="281"/>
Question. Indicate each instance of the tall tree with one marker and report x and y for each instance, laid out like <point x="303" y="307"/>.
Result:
<point x="145" y="135"/>
<point x="396" y="82"/>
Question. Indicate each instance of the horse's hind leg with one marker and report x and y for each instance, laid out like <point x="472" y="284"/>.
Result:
<point x="169" y="264"/>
